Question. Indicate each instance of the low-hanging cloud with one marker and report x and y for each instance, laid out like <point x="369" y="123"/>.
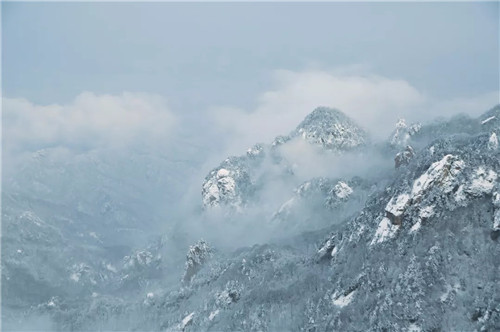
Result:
<point x="374" y="101"/>
<point x="90" y="121"/>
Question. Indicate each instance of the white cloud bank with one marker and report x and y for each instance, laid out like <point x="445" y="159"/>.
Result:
<point x="101" y="121"/>
<point x="375" y="102"/>
<point x="90" y="121"/>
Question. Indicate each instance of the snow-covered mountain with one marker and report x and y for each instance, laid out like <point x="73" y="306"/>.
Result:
<point x="420" y="255"/>
<point x="237" y="180"/>
<point x="412" y="247"/>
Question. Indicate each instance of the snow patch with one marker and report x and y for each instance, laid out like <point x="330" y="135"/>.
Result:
<point x="483" y="182"/>
<point x="488" y="119"/>
<point x="493" y="142"/>
<point x="398" y="205"/>
<point x="254" y="151"/>
<point x="414" y="328"/>
<point x="404" y="132"/>
<point x="496" y="217"/>
<point x="416" y="227"/>
<point x="222" y="173"/>
<point x="460" y="194"/>
<point x="213" y="314"/>
<point x="447" y="292"/>
<point x="441" y="173"/>
<point x="111" y="268"/>
<point x="343" y="300"/>
<point x="426" y="212"/>
<point x="187" y="320"/>
<point x="75" y="277"/>
<point x="384" y="231"/>
<point x="342" y="190"/>
<point x="286" y="206"/>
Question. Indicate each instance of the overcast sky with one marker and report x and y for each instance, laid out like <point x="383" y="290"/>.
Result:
<point x="240" y="62"/>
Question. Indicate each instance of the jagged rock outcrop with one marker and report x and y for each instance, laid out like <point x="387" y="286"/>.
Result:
<point x="403" y="158"/>
<point x="403" y="133"/>
<point x="197" y="255"/>
<point x="229" y="184"/>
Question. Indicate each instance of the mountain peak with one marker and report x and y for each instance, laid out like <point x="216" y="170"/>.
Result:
<point x="332" y="129"/>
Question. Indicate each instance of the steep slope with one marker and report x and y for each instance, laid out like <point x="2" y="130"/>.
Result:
<point x="421" y="254"/>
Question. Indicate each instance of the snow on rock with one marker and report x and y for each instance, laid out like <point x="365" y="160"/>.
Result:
<point x="342" y="190"/>
<point x="441" y="173"/>
<point x="149" y="299"/>
<point x="285" y="208"/>
<point x="197" y="255"/>
<point x="219" y="187"/>
<point x="460" y="196"/>
<point x="404" y="157"/>
<point x="213" y="314"/>
<point x="493" y="142"/>
<point x="229" y="295"/>
<point x="343" y="300"/>
<point x="255" y="151"/>
<point x="222" y="173"/>
<point x="111" y="268"/>
<point x="82" y="273"/>
<point x="414" y="328"/>
<point x="397" y="206"/>
<point x="227" y="184"/>
<point x="483" y="182"/>
<point x="186" y="321"/>
<point x="331" y="129"/>
<point x="326" y="248"/>
<point x="488" y="119"/>
<point x="404" y="132"/>
<point x="139" y="258"/>
<point x="424" y="213"/>
<point x="496" y="216"/>
<point x="416" y="226"/>
<point x="386" y="229"/>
